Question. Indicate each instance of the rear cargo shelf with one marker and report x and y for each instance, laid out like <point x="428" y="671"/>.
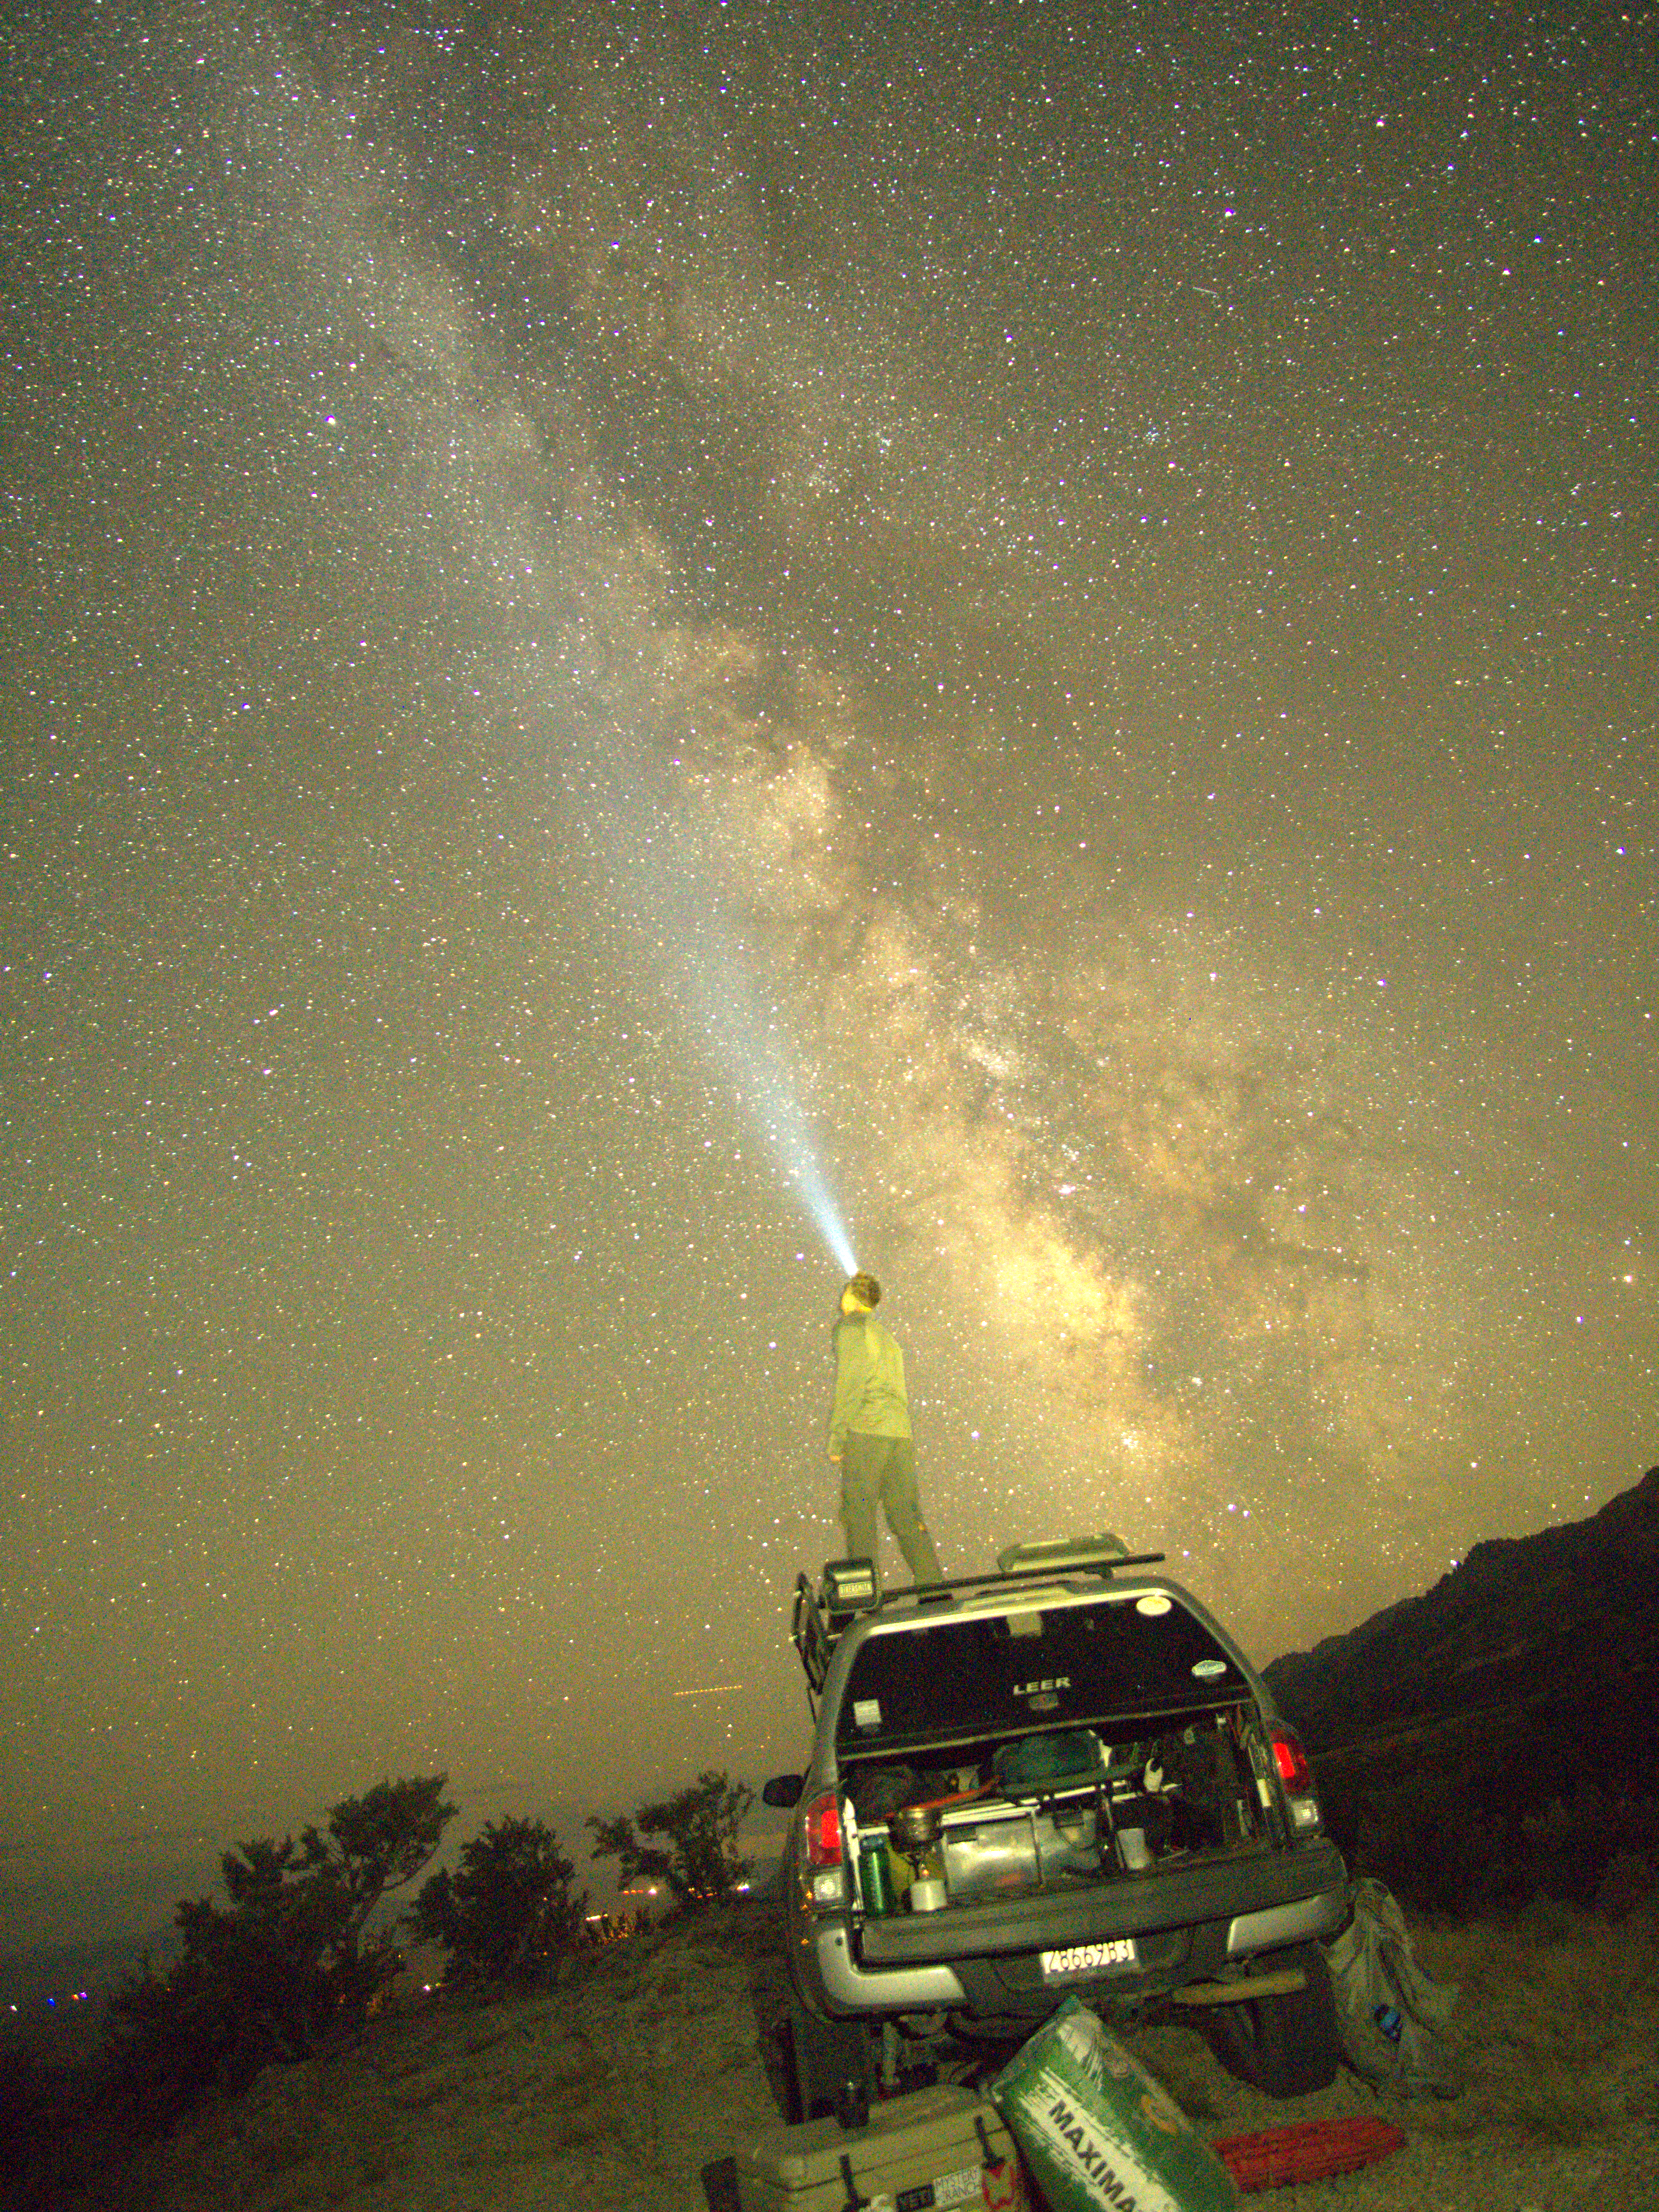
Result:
<point x="1174" y="1789"/>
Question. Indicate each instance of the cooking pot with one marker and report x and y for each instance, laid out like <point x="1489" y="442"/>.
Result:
<point x="914" y="1827"/>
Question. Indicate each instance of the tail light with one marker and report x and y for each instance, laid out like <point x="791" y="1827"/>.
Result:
<point x="824" y="1876"/>
<point x="1291" y="1762"/>
<point x="822" y="1819"/>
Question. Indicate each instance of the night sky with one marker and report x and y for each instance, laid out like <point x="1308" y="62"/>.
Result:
<point x="629" y="629"/>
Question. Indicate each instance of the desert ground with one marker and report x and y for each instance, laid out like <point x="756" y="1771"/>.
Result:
<point x="649" y="2060"/>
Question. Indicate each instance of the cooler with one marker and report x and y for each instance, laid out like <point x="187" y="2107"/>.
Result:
<point x="938" y="2147"/>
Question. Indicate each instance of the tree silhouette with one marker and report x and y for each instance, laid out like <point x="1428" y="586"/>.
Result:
<point x="698" y="1857"/>
<point x="289" y="1962"/>
<point x="508" y="1908"/>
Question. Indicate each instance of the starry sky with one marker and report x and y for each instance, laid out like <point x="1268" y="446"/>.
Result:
<point x="634" y="632"/>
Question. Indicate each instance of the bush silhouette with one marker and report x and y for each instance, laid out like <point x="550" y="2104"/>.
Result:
<point x="1445" y="1852"/>
<point x="508" y="1910"/>
<point x="288" y="1963"/>
<point x="698" y="1858"/>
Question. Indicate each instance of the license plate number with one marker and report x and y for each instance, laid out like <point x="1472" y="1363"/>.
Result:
<point x="1088" y="1958"/>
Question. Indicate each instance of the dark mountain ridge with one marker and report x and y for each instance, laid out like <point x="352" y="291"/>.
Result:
<point x="1498" y="1735"/>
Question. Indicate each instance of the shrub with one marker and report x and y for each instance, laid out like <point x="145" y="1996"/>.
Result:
<point x="1455" y="1853"/>
<point x="288" y="1962"/>
<point x="39" y="2100"/>
<point x="698" y="1858"/>
<point x="508" y="1908"/>
<point x="1627" y="1884"/>
<point x="1572" y="1844"/>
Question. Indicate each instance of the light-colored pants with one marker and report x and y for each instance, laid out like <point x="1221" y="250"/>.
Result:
<point x="882" y="1471"/>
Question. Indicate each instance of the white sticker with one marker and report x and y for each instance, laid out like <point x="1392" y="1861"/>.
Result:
<point x="1208" y="1669"/>
<point x="962" y="2188"/>
<point x="1155" y="1604"/>
<point x="866" y="1712"/>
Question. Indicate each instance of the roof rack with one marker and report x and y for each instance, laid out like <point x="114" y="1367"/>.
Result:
<point x="848" y="1587"/>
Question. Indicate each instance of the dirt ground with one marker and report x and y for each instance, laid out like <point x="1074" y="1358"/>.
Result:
<point x="613" y="2092"/>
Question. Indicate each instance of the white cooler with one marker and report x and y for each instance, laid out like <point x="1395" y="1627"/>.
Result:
<point x="937" y="2147"/>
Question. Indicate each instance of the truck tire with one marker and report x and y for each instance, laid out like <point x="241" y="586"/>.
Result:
<point x="833" y="2066"/>
<point x="1286" y="2046"/>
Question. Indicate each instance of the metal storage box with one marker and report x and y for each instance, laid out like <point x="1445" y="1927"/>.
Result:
<point x="1012" y="1853"/>
<point x="938" y="2146"/>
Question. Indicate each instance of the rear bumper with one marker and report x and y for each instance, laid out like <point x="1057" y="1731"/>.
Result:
<point x="1305" y="1920"/>
<point x="849" y="1987"/>
<point x="908" y="1963"/>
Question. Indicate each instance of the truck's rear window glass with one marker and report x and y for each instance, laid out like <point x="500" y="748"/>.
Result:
<point x="973" y="1677"/>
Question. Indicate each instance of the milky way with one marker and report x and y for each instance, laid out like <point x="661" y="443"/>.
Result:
<point x="1056" y="615"/>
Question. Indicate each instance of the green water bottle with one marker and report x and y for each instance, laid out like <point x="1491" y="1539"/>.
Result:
<point x="875" y="1880"/>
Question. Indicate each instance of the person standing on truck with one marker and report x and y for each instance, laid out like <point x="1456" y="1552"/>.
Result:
<point x="870" y="1435"/>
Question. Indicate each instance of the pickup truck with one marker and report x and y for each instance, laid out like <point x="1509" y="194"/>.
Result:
<point x="1062" y="1776"/>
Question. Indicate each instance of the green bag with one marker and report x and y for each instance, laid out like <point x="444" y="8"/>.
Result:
<point x="1037" y="1765"/>
<point x="1098" y="2132"/>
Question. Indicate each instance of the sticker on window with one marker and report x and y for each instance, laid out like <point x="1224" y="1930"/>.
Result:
<point x="866" y="1712"/>
<point x="1208" y="1669"/>
<point x="1154" y="1604"/>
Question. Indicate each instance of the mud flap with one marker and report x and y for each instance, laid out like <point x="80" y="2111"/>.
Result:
<point x="833" y="2067"/>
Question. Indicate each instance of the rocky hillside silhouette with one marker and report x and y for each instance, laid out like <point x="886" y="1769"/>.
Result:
<point x="1498" y="1736"/>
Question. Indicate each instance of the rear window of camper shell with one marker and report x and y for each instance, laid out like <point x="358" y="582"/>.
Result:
<point x="990" y="1674"/>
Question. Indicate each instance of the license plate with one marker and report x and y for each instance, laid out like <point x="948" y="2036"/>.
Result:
<point x="1088" y="1958"/>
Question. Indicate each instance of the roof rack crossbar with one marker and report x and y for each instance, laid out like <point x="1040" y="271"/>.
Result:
<point x="1056" y="1570"/>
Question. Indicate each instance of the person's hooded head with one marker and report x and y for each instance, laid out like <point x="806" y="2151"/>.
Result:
<point x="862" y="1295"/>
